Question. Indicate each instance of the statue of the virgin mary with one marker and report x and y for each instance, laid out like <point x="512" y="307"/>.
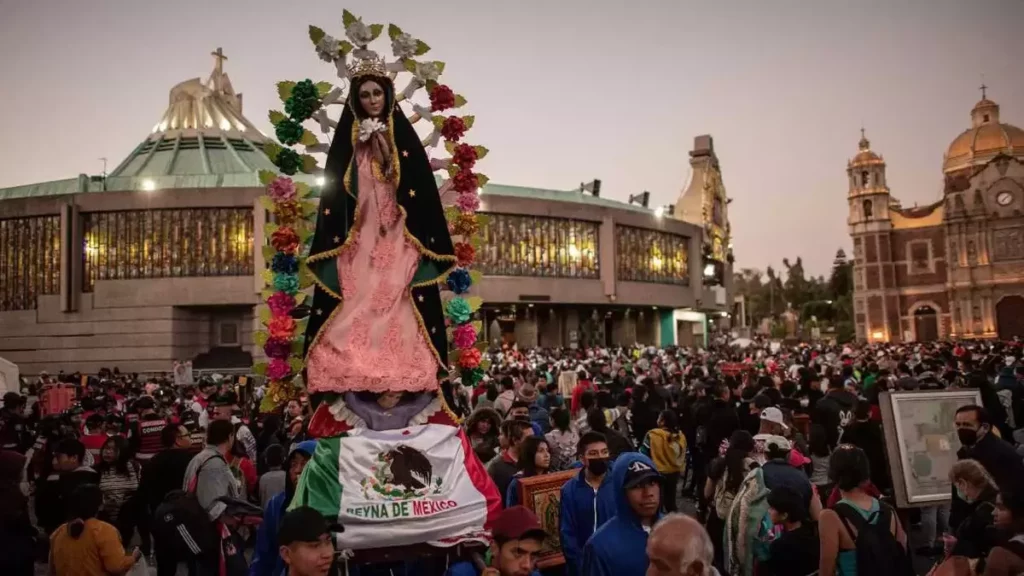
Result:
<point x="380" y="249"/>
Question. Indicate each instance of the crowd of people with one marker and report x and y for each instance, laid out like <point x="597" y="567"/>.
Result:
<point x="766" y="460"/>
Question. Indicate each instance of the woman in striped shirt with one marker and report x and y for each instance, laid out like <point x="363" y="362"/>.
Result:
<point x="119" y="482"/>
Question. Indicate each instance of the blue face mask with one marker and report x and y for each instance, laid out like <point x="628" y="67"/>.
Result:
<point x="961" y="494"/>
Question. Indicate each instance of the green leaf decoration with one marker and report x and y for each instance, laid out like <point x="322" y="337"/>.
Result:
<point x="431" y="84"/>
<point x="478" y="325"/>
<point x="322" y="88"/>
<point x="308" y="164"/>
<point x="477" y="242"/>
<point x="346" y="47"/>
<point x="375" y="30"/>
<point x="410" y="65"/>
<point x="481" y="152"/>
<point x="302" y="190"/>
<point x="268" y="252"/>
<point x="482" y="180"/>
<point x="269" y="228"/>
<point x="305" y="235"/>
<point x="308" y="139"/>
<point x="452" y="170"/>
<point x="295" y="364"/>
<point x="305" y="280"/>
<point x="348" y="18"/>
<point x="476" y="276"/>
<point x="267" y="176"/>
<point x="469" y="121"/>
<point x="440" y="66"/>
<point x="308" y="209"/>
<point x="438" y="122"/>
<point x="300" y="297"/>
<point x="475" y="302"/>
<point x="421" y="48"/>
<point x="260" y="368"/>
<point x="482" y="219"/>
<point x="276" y="117"/>
<point x="485" y="364"/>
<point x="260" y="337"/>
<point x="394" y="31"/>
<point x="316" y="34"/>
<point x="267" y="203"/>
<point x="266" y="293"/>
<point x="264" y="314"/>
<point x="449" y="146"/>
<point x="451" y="213"/>
<point x="481" y="346"/>
<point x="460" y="101"/>
<point x="272" y="149"/>
<point x="297" y="345"/>
<point x="284" y="89"/>
<point x="300" y="326"/>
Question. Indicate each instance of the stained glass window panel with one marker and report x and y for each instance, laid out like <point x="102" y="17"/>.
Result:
<point x="644" y="255"/>
<point x="515" y="245"/>
<point x="29" y="260"/>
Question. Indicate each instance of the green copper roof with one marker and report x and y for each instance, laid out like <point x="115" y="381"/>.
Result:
<point x="572" y="196"/>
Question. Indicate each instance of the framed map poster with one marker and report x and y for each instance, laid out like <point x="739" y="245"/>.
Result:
<point x="543" y="495"/>
<point x="921" y="442"/>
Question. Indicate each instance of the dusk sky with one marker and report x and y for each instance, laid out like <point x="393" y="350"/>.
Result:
<point x="563" y="91"/>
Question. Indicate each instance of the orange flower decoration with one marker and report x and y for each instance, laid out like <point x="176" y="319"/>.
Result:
<point x="282" y="327"/>
<point x="464" y="254"/>
<point x="469" y="358"/>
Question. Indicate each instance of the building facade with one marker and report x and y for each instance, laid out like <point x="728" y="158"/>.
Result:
<point x="160" y="260"/>
<point x="953" y="268"/>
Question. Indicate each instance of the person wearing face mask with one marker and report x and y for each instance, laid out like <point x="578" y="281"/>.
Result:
<point x="979" y="442"/>
<point x="975" y="536"/>
<point x="587" y="501"/>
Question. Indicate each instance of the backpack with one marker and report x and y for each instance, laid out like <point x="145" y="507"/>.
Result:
<point x="879" y="553"/>
<point x="182" y="525"/>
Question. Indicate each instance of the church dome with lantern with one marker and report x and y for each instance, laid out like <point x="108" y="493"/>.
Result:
<point x="985" y="139"/>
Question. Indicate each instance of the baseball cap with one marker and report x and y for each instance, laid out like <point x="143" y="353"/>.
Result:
<point x="516" y="523"/>
<point x="773" y="414"/>
<point x="638" y="473"/>
<point x="779" y="443"/>
<point x="304" y="524"/>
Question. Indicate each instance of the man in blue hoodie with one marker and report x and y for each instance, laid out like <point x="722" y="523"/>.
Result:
<point x="588" y="500"/>
<point x="266" y="558"/>
<point x="620" y="546"/>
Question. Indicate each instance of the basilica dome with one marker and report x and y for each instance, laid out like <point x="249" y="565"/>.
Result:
<point x="986" y="139"/>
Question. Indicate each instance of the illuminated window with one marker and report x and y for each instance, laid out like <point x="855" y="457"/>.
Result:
<point x="538" y="246"/>
<point x="29" y="260"/>
<point x="644" y="255"/>
<point x="167" y="243"/>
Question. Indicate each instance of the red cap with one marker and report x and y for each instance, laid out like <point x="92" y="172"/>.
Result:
<point x="516" y="523"/>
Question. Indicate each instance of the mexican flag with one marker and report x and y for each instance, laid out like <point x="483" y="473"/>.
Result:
<point x="399" y="487"/>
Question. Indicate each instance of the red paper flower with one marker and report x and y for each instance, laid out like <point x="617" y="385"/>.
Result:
<point x="453" y="128"/>
<point x="465" y="181"/>
<point x="281" y="327"/>
<point x="464" y="156"/>
<point x="285" y="240"/>
<point x="288" y="212"/>
<point x="441" y="98"/>
<point x="469" y="358"/>
<point x="464" y="254"/>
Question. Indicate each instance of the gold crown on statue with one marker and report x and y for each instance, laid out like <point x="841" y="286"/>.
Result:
<point x="374" y="66"/>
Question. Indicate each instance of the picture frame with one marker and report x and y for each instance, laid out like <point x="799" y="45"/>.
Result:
<point x="543" y="495"/>
<point x="921" y="442"/>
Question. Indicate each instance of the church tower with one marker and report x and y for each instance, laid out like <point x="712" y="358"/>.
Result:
<point x="870" y="226"/>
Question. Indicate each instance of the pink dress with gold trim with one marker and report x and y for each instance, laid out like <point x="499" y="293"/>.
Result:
<point x="374" y="341"/>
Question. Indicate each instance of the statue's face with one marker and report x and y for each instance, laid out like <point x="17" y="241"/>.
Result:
<point x="389" y="400"/>
<point x="371" y="96"/>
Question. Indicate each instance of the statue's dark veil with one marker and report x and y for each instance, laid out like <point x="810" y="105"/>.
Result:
<point x="417" y="195"/>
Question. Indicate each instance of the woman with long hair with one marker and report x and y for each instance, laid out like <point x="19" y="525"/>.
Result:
<point x="86" y="544"/>
<point x="562" y="439"/>
<point x="119" y="484"/>
<point x="534" y="460"/>
<point x="725" y="476"/>
<point x="1008" y="556"/>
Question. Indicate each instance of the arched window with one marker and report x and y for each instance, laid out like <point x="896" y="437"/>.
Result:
<point x="867" y="209"/>
<point x="864" y="178"/>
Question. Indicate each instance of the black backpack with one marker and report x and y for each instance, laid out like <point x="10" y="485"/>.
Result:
<point x="879" y="553"/>
<point x="182" y="526"/>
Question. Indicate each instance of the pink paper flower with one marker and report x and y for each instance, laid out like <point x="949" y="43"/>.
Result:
<point x="464" y="336"/>
<point x="278" y="369"/>
<point x="281" y="189"/>
<point x="468" y="202"/>
<point x="281" y="303"/>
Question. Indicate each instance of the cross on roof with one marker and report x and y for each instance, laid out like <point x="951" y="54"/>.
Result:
<point x="983" y="88"/>
<point x="219" y="56"/>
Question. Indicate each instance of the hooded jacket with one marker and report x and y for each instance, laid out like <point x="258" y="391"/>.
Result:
<point x="583" y="510"/>
<point x="833" y="412"/>
<point x="620" y="546"/>
<point x="266" y="558"/>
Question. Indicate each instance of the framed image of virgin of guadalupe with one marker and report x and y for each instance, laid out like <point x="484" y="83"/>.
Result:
<point x="921" y="442"/>
<point x="543" y="495"/>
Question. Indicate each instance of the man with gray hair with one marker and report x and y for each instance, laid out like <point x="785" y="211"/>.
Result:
<point x="680" y="546"/>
